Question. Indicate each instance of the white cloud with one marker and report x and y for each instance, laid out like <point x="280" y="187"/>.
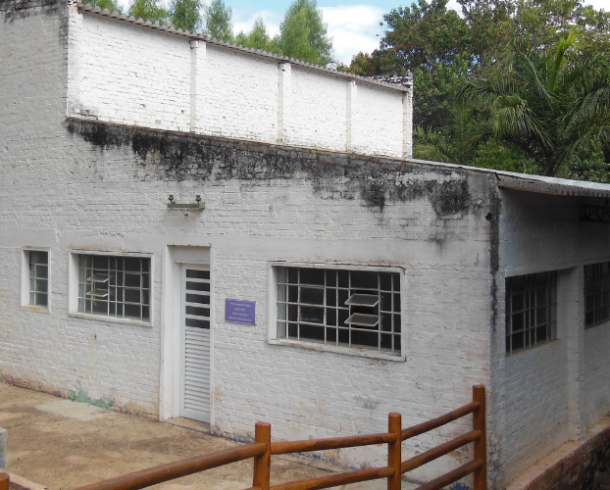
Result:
<point x="354" y="28"/>
<point x="599" y="4"/>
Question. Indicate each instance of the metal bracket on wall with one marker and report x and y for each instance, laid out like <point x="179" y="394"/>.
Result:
<point x="596" y="214"/>
<point x="198" y="205"/>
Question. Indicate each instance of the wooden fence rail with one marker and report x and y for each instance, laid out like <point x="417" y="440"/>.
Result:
<point x="262" y="449"/>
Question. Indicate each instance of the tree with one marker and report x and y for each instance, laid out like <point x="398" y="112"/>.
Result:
<point x="258" y="38"/>
<point x="552" y="103"/>
<point x="218" y="21"/>
<point x="186" y="14"/>
<point x="148" y="10"/>
<point x="423" y="35"/>
<point x="107" y="4"/>
<point x="303" y="33"/>
<point x="434" y="44"/>
<point x="446" y="52"/>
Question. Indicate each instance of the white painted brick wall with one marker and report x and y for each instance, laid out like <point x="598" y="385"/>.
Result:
<point x="63" y="193"/>
<point x="536" y="405"/>
<point x="597" y="373"/>
<point x="128" y="74"/>
<point x="60" y="192"/>
<point x="317" y="113"/>
<point x="239" y="96"/>
<point x="535" y="390"/>
<point x="378" y="121"/>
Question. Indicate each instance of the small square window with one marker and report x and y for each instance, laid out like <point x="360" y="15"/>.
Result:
<point x="531" y="310"/>
<point x="357" y="309"/>
<point x="38" y="275"/>
<point x="114" y="286"/>
<point x="597" y="294"/>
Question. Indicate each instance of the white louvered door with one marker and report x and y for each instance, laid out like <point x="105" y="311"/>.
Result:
<point x="195" y="334"/>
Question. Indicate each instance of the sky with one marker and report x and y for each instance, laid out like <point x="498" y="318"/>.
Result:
<point x="353" y="25"/>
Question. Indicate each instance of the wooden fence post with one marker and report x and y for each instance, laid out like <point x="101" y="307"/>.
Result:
<point x="480" y="446"/>
<point x="4" y="481"/>
<point x="394" y="453"/>
<point x="262" y="463"/>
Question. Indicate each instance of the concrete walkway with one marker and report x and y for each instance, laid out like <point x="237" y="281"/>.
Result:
<point x="61" y="444"/>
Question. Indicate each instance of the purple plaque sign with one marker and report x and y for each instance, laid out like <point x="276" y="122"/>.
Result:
<point x="240" y="311"/>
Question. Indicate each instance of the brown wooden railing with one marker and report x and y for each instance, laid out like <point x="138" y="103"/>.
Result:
<point x="262" y="450"/>
<point x="4" y="481"/>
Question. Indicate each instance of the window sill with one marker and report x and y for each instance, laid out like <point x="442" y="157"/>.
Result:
<point x="110" y="319"/>
<point x="35" y="309"/>
<point x="370" y="354"/>
<point x="598" y="324"/>
<point x="534" y="347"/>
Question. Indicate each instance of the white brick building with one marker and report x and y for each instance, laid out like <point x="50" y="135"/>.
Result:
<point x="380" y="283"/>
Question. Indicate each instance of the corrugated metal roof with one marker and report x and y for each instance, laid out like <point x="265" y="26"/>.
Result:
<point x="534" y="183"/>
<point x="194" y="36"/>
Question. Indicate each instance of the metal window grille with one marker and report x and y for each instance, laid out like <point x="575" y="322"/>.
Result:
<point x="114" y="286"/>
<point x="39" y="278"/>
<point x="597" y="294"/>
<point x="531" y="310"/>
<point x="351" y="308"/>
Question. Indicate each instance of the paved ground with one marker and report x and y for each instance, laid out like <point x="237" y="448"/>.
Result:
<point x="62" y="444"/>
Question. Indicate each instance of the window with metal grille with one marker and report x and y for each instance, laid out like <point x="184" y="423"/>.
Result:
<point x="597" y="294"/>
<point x="531" y="310"/>
<point x="38" y="262"/>
<point x="114" y="286"/>
<point x="350" y="308"/>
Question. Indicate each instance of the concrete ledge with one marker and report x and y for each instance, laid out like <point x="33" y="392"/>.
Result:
<point x="20" y="483"/>
<point x="573" y="466"/>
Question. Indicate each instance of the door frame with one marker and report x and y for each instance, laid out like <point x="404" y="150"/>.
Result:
<point x="174" y="257"/>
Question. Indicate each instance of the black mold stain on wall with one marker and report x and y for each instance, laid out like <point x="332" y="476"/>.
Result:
<point x="20" y="9"/>
<point x="171" y="155"/>
<point x="451" y="197"/>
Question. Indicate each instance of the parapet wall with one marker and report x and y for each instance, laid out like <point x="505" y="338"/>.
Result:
<point x="138" y="74"/>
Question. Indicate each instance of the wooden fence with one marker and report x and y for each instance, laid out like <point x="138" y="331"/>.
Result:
<point x="262" y="450"/>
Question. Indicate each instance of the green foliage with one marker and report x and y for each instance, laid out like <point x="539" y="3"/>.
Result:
<point x="587" y="164"/>
<point x="258" y="38"/>
<point x="502" y="156"/>
<point x="303" y="34"/>
<point x="537" y="78"/>
<point x="107" y="4"/>
<point x="186" y="14"/>
<point x="552" y="103"/>
<point x="422" y="35"/>
<point x="218" y="21"/>
<point x="456" y="143"/>
<point x="148" y="10"/>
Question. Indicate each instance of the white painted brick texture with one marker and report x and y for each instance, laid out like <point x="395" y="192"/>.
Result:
<point x="74" y="194"/>
<point x="61" y="192"/>
<point x="378" y="122"/>
<point x="127" y="74"/>
<point x="238" y="97"/>
<point x="535" y="390"/>
<point x="597" y="373"/>
<point x="130" y="75"/>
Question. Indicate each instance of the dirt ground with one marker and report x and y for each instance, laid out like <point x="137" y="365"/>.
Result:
<point x="62" y="444"/>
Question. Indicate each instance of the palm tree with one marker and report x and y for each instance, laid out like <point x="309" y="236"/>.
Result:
<point x="550" y="103"/>
<point x="455" y="143"/>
